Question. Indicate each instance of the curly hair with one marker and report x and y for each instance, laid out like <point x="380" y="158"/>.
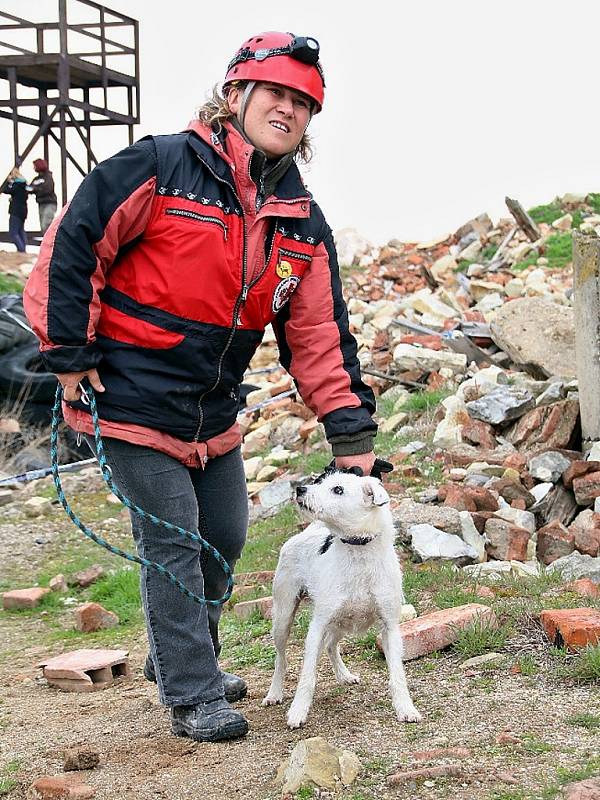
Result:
<point x="216" y="110"/>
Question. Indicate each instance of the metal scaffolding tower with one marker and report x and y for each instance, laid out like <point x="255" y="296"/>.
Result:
<point x="69" y="63"/>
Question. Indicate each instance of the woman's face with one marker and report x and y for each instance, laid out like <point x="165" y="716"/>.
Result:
<point x="275" y="118"/>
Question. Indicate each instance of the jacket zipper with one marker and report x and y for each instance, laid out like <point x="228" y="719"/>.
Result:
<point x="238" y="304"/>
<point x="292" y="254"/>
<point x="264" y="269"/>
<point x="182" y="212"/>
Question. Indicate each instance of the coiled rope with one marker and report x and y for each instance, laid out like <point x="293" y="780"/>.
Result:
<point x="107" y="476"/>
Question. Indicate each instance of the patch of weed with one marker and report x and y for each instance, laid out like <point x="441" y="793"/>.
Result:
<point x="425" y="577"/>
<point x="479" y="637"/>
<point x="593" y="200"/>
<point x="305" y="793"/>
<point x="531" y="744"/>
<point x="590" y="722"/>
<point x="366" y="647"/>
<point x="559" y="250"/>
<point x="489" y="252"/>
<point x="548" y="213"/>
<point x="424" y="401"/>
<point x="586" y="667"/>
<point x="120" y="592"/>
<point x="265" y="539"/>
<point x="311" y="463"/>
<point x="508" y="794"/>
<point x="528" y="261"/>
<point x="10" y="285"/>
<point x="527" y="664"/>
<point x="452" y="596"/>
<point x="247" y="642"/>
<point x="7" y="782"/>
<point x="301" y="623"/>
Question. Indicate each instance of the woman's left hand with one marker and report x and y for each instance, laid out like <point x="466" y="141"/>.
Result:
<point x="365" y="461"/>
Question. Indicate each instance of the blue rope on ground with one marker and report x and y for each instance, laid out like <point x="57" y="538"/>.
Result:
<point x="106" y="475"/>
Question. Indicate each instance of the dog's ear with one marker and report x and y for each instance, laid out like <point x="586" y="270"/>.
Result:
<point x="373" y="493"/>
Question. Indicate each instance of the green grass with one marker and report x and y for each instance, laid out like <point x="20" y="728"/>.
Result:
<point x="311" y="463"/>
<point x="10" y="284"/>
<point x="452" y="596"/>
<point x="590" y="722"/>
<point x="548" y="213"/>
<point x="479" y="637"/>
<point x="586" y="667"/>
<point x="7" y="782"/>
<point x="489" y="252"/>
<point x="247" y="642"/>
<point x="508" y="794"/>
<point x="593" y="200"/>
<point x="305" y="793"/>
<point x="559" y="250"/>
<point x="265" y="539"/>
<point x="528" y="261"/>
<point x="120" y="592"/>
<point x="531" y="744"/>
<point x="425" y="401"/>
<point x="527" y="664"/>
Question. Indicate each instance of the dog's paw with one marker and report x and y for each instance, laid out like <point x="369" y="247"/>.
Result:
<point x="408" y="714"/>
<point x="349" y="679"/>
<point x="296" y="717"/>
<point x="272" y="700"/>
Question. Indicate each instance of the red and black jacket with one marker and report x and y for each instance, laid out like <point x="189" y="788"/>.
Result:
<point x="145" y="276"/>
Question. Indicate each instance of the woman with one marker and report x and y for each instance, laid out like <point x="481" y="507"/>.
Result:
<point x="156" y="284"/>
<point x="16" y="187"/>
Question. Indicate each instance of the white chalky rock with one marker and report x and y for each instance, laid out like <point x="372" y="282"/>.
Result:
<point x="449" y="430"/>
<point x="37" y="505"/>
<point x="410" y="357"/>
<point x="429" y="542"/>
<point x="523" y="519"/>
<point x="471" y="535"/>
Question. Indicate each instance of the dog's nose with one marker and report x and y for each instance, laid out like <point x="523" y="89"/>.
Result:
<point x="300" y="491"/>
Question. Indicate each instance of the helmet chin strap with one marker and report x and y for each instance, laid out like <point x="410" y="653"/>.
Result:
<point x="244" y="102"/>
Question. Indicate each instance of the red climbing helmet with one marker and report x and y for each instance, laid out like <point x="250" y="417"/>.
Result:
<point x="281" y="58"/>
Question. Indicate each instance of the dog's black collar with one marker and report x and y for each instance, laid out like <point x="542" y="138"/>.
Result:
<point x="357" y="540"/>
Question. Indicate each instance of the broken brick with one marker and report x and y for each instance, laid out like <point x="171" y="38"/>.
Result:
<point x="86" y="670"/>
<point x="578" y="469"/>
<point x="60" y="787"/>
<point x="506" y="542"/>
<point x="86" y="577"/>
<point x="574" y="628"/>
<point x="264" y="606"/>
<point x="23" y="598"/>
<point x="584" y="587"/>
<point x="587" y="488"/>
<point x="91" y="617"/>
<point x="554" y="541"/>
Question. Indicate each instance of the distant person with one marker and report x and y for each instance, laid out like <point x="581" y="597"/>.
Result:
<point x="43" y="188"/>
<point x="16" y="186"/>
<point x="166" y="267"/>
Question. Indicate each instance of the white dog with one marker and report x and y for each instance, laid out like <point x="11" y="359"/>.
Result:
<point x="346" y="564"/>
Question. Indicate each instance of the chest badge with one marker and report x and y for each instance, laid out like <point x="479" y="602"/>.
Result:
<point x="283" y="269"/>
<point x="284" y="291"/>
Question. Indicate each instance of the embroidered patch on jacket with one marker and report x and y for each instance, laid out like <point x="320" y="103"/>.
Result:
<point x="283" y="292"/>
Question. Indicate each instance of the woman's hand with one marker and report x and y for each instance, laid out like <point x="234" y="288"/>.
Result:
<point x="70" y="383"/>
<point x="365" y="461"/>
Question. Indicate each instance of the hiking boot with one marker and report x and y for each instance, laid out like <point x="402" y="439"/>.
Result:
<point x="234" y="686"/>
<point x="214" y="721"/>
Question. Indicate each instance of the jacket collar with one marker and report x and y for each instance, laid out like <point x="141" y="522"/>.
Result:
<point x="208" y="145"/>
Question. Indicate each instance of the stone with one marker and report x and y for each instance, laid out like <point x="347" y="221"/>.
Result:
<point x="493" y="570"/>
<point x="23" y="598"/>
<point x="537" y="331"/>
<point x="316" y="763"/>
<point x="439" y="629"/>
<point x="407" y="611"/>
<point x="78" y="758"/>
<point x="486" y="658"/>
<point x="408" y="513"/>
<point x="58" y="584"/>
<point x="441" y="752"/>
<point x="408" y="357"/>
<point x="91" y="617"/>
<point x="252" y="467"/>
<point x="540" y="490"/>
<point x="583" y="790"/>
<point x="563" y="223"/>
<point x="449" y="430"/>
<point x="587" y="488"/>
<point x="263" y="578"/>
<point x="430" y="542"/>
<point x="471" y="535"/>
<point x="6" y="496"/>
<point x="512" y="490"/>
<point x="267" y="473"/>
<point x="86" y="577"/>
<point x="36" y="506"/>
<point x="479" y="433"/>
<point x="60" y="787"/>
<point x="522" y="519"/>
<point x="554" y="541"/>
<point x="308" y="427"/>
<point x="351" y="246"/>
<point x="593" y="454"/>
<point x="556" y="391"/>
<point x="86" y="670"/>
<point x="256" y="441"/>
<point x="393" y="423"/>
<point x="585" y="588"/>
<point x="279" y="457"/>
<point x="263" y="605"/>
<point x="548" y="466"/>
<point x="506" y="542"/>
<point x="559" y="503"/>
<point x="577" y="469"/>
<point x="275" y="494"/>
<point x="545" y="428"/>
<point x="586" y="530"/>
<point x="575" y="566"/>
<point x="503" y="404"/>
<point x="574" y="628"/>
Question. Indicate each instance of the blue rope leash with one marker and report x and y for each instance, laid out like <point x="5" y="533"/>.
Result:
<point x="106" y="475"/>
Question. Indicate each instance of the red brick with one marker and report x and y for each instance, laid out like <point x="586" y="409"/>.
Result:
<point x="554" y="541"/>
<point x="587" y="541"/>
<point x="255" y="578"/>
<point x="573" y="627"/>
<point x="577" y="470"/>
<point x="308" y="427"/>
<point x="439" y="629"/>
<point x="584" y="587"/>
<point x="545" y="428"/>
<point x="506" y="542"/>
<point x="515" y="461"/>
<point x="60" y="787"/>
<point x="431" y="341"/>
<point x="412" y="775"/>
<point x="480" y="433"/>
<point x="485" y="592"/>
<point x="23" y="598"/>
<point x="511" y="490"/>
<point x="583" y="790"/>
<point x="480" y="518"/>
<point x="441" y="752"/>
<point x="86" y="670"/>
<point x="91" y="617"/>
<point x="456" y="497"/>
<point x="264" y="606"/>
<point x="87" y="576"/>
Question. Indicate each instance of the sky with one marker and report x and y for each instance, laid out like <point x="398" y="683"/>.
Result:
<point x="434" y="110"/>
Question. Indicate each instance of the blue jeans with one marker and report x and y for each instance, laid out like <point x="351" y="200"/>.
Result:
<point x="183" y="635"/>
<point x="16" y="231"/>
